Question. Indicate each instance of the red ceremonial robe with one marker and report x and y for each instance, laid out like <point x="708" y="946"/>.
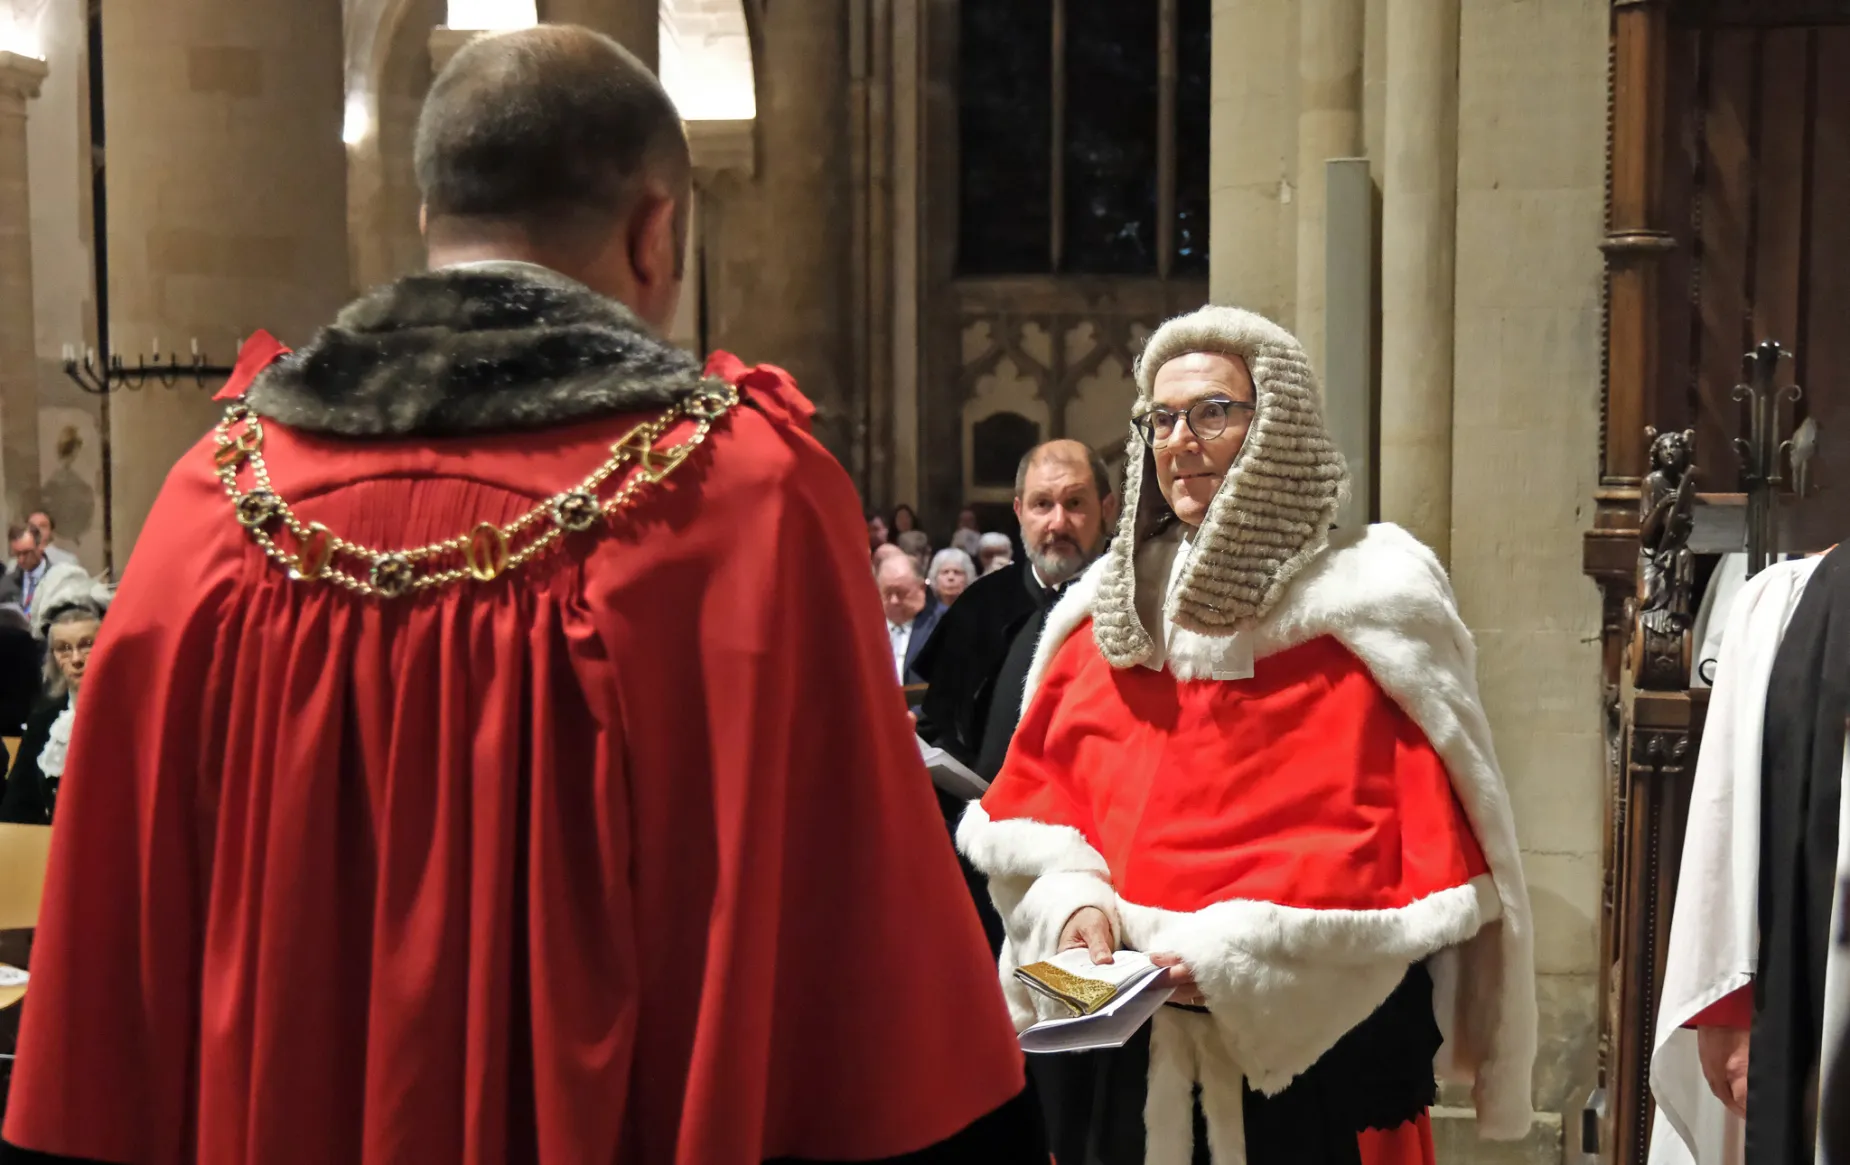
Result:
<point x="1304" y="786"/>
<point x="627" y="856"/>
<point x="1302" y="833"/>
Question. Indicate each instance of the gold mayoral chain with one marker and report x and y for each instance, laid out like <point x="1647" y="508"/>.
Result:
<point x="483" y="554"/>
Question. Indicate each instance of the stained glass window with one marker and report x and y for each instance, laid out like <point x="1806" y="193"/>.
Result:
<point x="1060" y="168"/>
<point x="1194" y="73"/>
<point x="1111" y="126"/>
<point x="1005" y="136"/>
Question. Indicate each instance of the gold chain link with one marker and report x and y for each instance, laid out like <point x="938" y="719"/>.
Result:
<point x="483" y="553"/>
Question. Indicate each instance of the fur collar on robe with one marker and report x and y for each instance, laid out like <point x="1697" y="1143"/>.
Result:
<point x="1285" y="983"/>
<point x="478" y="348"/>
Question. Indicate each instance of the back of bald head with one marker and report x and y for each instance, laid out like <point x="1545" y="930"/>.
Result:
<point x="548" y="130"/>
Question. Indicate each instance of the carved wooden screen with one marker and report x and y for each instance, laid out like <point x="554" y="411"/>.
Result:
<point x="1730" y="166"/>
<point x="1756" y="180"/>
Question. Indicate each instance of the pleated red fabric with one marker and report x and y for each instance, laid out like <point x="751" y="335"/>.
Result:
<point x="625" y="857"/>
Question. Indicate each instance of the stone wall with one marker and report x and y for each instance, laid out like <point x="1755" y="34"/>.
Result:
<point x="1253" y="174"/>
<point x="1531" y="174"/>
<point x="227" y="212"/>
<point x="64" y="307"/>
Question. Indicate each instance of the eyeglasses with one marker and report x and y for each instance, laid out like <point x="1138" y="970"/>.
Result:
<point x="73" y="650"/>
<point x="1207" y="419"/>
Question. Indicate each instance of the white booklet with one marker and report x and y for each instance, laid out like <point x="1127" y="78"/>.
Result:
<point x="1111" y="1001"/>
<point x="950" y="774"/>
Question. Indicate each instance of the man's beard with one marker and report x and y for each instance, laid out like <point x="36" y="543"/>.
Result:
<point x="1063" y="560"/>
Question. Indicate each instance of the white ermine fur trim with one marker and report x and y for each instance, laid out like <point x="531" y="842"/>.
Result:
<point x="1384" y="597"/>
<point x="1040" y="876"/>
<point x="1283" y="984"/>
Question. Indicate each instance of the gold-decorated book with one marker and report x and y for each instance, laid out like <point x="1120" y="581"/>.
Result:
<point x="1095" y="1005"/>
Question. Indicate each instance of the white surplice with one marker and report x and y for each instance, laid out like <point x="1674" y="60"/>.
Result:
<point x="1714" y="926"/>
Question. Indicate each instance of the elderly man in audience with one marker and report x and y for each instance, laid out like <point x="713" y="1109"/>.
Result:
<point x="19" y="586"/>
<point x="911" y="615"/>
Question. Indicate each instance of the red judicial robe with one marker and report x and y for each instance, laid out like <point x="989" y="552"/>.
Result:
<point x="1306" y="831"/>
<point x="625" y="856"/>
<point x="1304" y="786"/>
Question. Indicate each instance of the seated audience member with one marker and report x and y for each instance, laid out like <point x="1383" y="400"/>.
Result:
<point x="968" y="536"/>
<point x="877" y="533"/>
<point x="951" y="572"/>
<point x="20" y="585"/>
<point x="918" y="548"/>
<point x="994" y="553"/>
<point x="911" y="616"/>
<point x="71" y="616"/>
<point x="48" y="539"/>
<point x="882" y="553"/>
<point x="905" y="520"/>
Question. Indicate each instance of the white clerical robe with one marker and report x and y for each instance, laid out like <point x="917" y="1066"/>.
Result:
<point x="1714" y="926"/>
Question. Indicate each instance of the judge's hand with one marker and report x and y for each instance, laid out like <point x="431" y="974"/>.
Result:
<point x="1179" y="979"/>
<point x="1723" y="1053"/>
<point x="1088" y="928"/>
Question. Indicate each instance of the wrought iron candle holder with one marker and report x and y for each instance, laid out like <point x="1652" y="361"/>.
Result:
<point x="1763" y="455"/>
<point x="103" y="374"/>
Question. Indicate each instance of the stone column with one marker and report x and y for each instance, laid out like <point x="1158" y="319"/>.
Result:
<point x="777" y="249"/>
<point x="1330" y="39"/>
<point x="227" y="204"/>
<point x="1253" y="165"/>
<point x="1418" y="242"/>
<point x="20" y="78"/>
<point x="634" y="24"/>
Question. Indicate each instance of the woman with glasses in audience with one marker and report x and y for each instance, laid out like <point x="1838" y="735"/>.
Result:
<point x="70" y="615"/>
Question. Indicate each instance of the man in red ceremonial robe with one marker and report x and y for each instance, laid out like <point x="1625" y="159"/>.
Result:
<point x="1253" y="749"/>
<point x="494" y="754"/>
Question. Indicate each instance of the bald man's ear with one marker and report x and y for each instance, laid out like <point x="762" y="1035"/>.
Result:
<point x="1110" y="510"/>
<point x="655" y="254"/>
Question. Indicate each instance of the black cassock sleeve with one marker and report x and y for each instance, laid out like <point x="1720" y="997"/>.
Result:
<point x="1808" y="696"/>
